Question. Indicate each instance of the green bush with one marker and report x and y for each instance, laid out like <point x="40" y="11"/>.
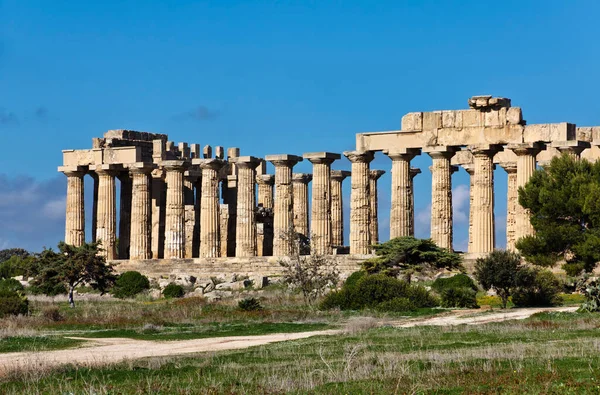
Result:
<point x="456" y="281"/>
<point x="591" y="292"/>
<point x="536" y="288"/>
<point x="130" y="284"/>
<point x="573" y="269"/>
<point x="10" y="284"/>
<point x="48" y="288"/>
<point x="12" y="303"/>
<point x="353" y="278"/>
<point x="459" y="297"/>
<point x="173" y="291"/>
<point x="249" y="304"/>
<point x="370" y="291"/>
<point x="396" y="305"/>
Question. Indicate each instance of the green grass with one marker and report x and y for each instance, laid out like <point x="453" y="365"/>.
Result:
<point x="36" y="343"/>
<point x="548" y="353"/>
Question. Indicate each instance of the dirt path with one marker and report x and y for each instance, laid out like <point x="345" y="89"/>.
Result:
<point x="112" y="350"/>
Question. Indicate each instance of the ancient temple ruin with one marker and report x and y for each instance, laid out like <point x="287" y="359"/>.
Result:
<point x="178" y="202"/>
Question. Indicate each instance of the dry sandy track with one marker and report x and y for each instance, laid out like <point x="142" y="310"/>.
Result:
<point x="111" y="350"/>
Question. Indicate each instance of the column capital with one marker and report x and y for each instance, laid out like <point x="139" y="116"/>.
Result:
<point x="73" y="171"/>
<point x="572" y="146"/>
<point x="526" y="148"/>
<point x="174" y="165"/>
<point x="414" y="171"/>
<point x="111" y="170"/>
<point x="340" y="175"/>
<point x="303" y="178"/>
<point x="440" y="151"/>
<point x="359" y="156"/>
<point x="485" y="149"/>
<point x="284" y="160"/>
<point x="376" y="174"/>
<point x="265" y="179"/>
<point x="321" y="157"/>
<point x="406" y="154"/>
<point x="509" y="167"/>
<point x="245" y="162"/>
<point x="141" y="168"/>
<point x="210" y="163"/>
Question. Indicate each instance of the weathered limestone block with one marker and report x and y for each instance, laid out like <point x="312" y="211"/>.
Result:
<point x="573" y="148"/>
<point x="320" y="224"/>
<point x="284" y="202"/>
<point x="360" y="205"/>
<point x="337" y="207"/>
<point x="549" y="132"/>
<point x="412" y="122"/>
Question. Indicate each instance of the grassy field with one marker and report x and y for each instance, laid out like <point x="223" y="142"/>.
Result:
<point x="548" y="353"/>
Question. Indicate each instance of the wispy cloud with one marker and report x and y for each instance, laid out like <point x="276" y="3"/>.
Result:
<point x="460" y="204"/>
<point x="200" y="113"/>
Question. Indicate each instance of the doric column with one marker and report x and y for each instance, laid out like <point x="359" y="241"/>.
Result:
<point x="94" y="205"/>
<point x="470" y="168"/>
<point x="400" y="204"/>
<point x="526" y="154"/>
<point x="141" y="222"/>
<point x="337" y="207"/>
<point x="190" y="178"/>
<point x="175" y="210"/>
<point x="360" y="206"/>
<point x="484" y="239"/>
<point x="573" y="148"/>
<point x="209" y="207"/>
<point x="107" y="210"/>
<point x="284" y="202"/>
<point x="320" y="221"/>
<point x="124" y="214"/>
<point x="411" y="194"/>
<point x="265" y="190"/>
<point x="441" y="195"/>
<point x="300" y="186"/>
<point x="512" y="201"/>
<point x="75" y="218"/>
<point x="197" y="205"/>
<point x="374" y="175"/>
<point x="245" y="241"/>
<point x="159" y="198"/>
<point x="264" y="229"/>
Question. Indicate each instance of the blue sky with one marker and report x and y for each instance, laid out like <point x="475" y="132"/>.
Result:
<point x="271" y="77"/>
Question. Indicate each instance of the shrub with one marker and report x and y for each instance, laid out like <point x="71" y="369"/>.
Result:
<point x="249" y="304"/>
<point x="573" y="269"/>
<point x="421" y="297"/>
<point x="459" y="297"/>
<point x="353" y="278"/>
<point x="48" y="288"/>
<point x="456" y="281"/>
<point x="173" y="291"/>
<point x="374" y="289"/>
<point x="52" y="313"/>
<point x="591" y="291"/>
<point x="13" y="303"/>
<point x="396" y="305"/>
<point x="535" y="287"/>
<point x="10" y="284"/>
<point x="130" y="284"/>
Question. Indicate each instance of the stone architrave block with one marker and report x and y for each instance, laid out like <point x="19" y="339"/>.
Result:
<point x="432" y="120"/>
<point x="470" y="118"/>
<point x="491" y="118"/>
<point x="549" y="132"/>
<point x="448" y="119"/>
<point x="514" y="116"/>
<point x="412" y="122"/>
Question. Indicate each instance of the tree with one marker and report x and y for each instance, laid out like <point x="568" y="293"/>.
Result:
<point x="5" y="255"/>
<point x="564" y="202"/>
<point x="498" y="271"/>
<point x="73" y="266"/>
<point x="408" y="255"/>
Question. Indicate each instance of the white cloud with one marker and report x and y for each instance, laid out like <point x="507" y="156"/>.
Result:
<point x="55" y="209"/>
<point x="423" y="222"/>
<point x="460" y="204"/>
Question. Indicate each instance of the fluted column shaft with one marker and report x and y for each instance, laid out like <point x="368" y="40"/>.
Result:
<point x="141" y="223"/>
<point x="525" y="167"/>
<point x="189" y="180"/>
<point x="175" y="213"/>
<point x="471" y="170"/>
<point x="75" y="215"/>
<point x="265" y="190"/>
<point x="400" y="204"/>
<point x="107" y="213"/>
<point x="411" y="200"/>
<point x="484" y="239"/>
<point x="125" y="215"/>
<point x="300" y="186"/>
<point x="337" y="207"/>
<point x="209" y="208"/>
<point x="265" y="199"/>
<point x="512" y="202"/>
<point x="360" y="206"/>
<point x="441" y="198"/>
<point x="374" y="200"/>
<point x="245" y="242"/>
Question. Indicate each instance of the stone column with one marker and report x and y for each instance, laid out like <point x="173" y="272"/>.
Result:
<point x="320" y="224"/>
<point x="141" y="222"/>
<point x="441" y="195"/>
<point x="411" y="194"/>
<point x="337" y="207"/>
<point x="374" y="175"/>
<point x="284" y="203"/>
<point x="470" y="168"/>
<point x="300" y="186"/>
<point x="75" y="215"/>
<point x="265" y="190"/>
<point x="526" y="154"/>
<point x="512" y="201"/>
<point x="484" y="239"/>
<point x="107" y="210"/>
<point x="264" y="229"/>
<point x="245" y="241"/>
<point x="175" y="210"/>
<point x="400" y="204"/>
<point x="572" y="148"/>
<point x="94" y="205"/>
<point x="125" y="214"/>
<point x="360" y="206"/>
<point x="159" y="198"/>
<point x="189" y="181"/>
<point x="197" y="205"/>
<point x="209" y="207"/>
